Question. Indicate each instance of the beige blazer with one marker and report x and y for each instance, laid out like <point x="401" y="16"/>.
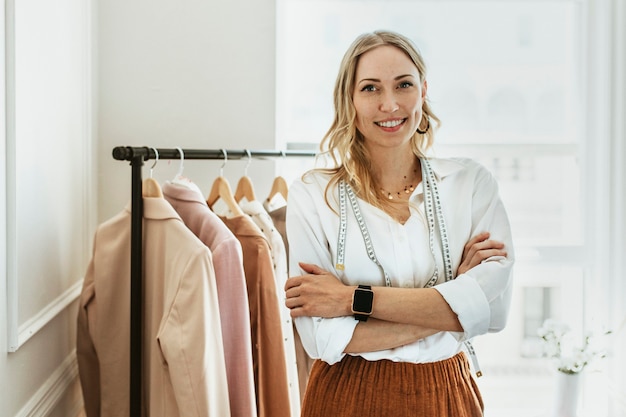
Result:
<point x="183" y="358"/>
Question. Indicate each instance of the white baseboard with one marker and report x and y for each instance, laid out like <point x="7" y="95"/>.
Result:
<point x="50" y="393"/>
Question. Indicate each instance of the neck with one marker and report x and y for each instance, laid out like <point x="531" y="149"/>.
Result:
<point x="390" y="169"/>
<point x="397" y="175"/>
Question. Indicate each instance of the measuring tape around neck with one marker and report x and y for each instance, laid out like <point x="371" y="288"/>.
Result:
<point x="434" y="215"/>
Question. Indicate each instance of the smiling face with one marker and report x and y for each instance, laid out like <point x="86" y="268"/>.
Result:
<point x="388" y="97"/>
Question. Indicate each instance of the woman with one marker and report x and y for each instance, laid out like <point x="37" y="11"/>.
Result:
<point x="392" y="266"/>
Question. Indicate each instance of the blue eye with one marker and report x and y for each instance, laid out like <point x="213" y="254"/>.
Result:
<point x="406" y="84"/>
<point x="369" y="87"/>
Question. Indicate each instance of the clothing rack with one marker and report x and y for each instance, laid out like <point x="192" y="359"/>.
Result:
<point x="136" y="156"/>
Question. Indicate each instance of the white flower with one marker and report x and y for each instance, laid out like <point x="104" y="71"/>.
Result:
<point x="553" y="329"/>
<point x="560" y="345"/>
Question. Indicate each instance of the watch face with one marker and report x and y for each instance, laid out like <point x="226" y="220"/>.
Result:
<point x="363" y="300"/>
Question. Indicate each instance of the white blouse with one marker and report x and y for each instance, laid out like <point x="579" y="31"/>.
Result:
<point x="471" y="205"/>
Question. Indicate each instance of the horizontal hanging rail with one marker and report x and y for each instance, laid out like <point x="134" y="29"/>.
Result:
<point x="127" y="153"/>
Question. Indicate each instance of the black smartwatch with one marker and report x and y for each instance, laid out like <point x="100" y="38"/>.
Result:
<point x="362" y="301"/>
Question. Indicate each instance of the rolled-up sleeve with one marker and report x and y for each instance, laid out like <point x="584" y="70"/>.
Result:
<point x="481" y="296"/>
<point x="323" y="338"/>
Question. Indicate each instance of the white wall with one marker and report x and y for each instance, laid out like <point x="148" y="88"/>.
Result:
<point x="50" y="202"/>
<point x="194" y="74"/>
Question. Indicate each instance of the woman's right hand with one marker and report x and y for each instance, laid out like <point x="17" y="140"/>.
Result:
<point x="477" y="249"/>
<point x="317" y="293"/>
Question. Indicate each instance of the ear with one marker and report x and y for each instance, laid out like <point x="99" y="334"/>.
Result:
<point x="424" y="89"/>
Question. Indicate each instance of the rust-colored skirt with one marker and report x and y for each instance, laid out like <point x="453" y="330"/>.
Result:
<point x="356" y="387"/>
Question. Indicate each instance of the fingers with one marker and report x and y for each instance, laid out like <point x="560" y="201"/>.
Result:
<point x="307" y="269"/>
<point x="292" y="282"/>
<point x="292" y="302"/>
<point x="477" y="257"/>
<point x="295" y="307"/>
<point x="478" y="238"/>
<point x="295" y="286"/>
<point x="311" y="268"/>
<point x="316" y="292"/>
<point x="478" y="249"/>
<point x="484" y="254"/>
<point x="486" y="244"/>
<point x="480" y="242"/>
<point x="292" y="295"/>
<point x="297" y="312"/>
<point x="296" y="300"/>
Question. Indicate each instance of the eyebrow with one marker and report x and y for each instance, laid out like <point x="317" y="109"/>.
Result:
<point x="376" y="80"/>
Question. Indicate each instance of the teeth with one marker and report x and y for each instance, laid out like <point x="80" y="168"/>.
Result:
<point x="391" y="123"/>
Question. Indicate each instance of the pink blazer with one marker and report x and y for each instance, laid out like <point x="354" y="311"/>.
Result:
<point x="231" y="289"/>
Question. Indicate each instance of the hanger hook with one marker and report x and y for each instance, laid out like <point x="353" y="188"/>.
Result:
<point x="224" y="163"/>
<point x="155" y="161"/>
<point x="245" y="172"/>
<point x="182" y="161"/>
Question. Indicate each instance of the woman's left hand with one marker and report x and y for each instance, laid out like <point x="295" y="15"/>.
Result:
<point x="477" y="250"/>
<point x="317" y="293"/>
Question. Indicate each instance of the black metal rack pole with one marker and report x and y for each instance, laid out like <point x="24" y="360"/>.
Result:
<point x="125" y="153"/>
<point x="136" y="155"/>
<point x="136" y="287"/>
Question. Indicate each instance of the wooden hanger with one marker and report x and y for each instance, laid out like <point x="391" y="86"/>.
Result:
<point x="279" y="186"/>
<point x="221" y="189"/>
<point x="244" y="186"/>
<point x="151" y="188"/>
<point x="245" y="189"/>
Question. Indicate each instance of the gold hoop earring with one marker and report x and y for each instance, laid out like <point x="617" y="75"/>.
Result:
<point x="422" y="132"/>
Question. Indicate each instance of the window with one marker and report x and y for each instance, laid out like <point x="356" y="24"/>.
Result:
<point x="505" y="78"/>
<point x="536" y="309"/>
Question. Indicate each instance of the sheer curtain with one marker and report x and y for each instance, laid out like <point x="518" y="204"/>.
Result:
<point x="606" y="194"/>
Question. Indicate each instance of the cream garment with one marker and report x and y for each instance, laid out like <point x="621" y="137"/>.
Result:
<point x="480" y="297"/>
<point x="262" y="219"/>
<point x="277" y="209"/>
<point x="183" y="370"/>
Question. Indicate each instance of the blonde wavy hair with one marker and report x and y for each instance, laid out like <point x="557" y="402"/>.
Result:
<point x="344" y="144"/>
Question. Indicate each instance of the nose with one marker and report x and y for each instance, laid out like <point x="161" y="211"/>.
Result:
<point x="388" y="103"/>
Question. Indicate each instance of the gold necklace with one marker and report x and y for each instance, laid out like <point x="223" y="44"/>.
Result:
<point x="408" y="189"/>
